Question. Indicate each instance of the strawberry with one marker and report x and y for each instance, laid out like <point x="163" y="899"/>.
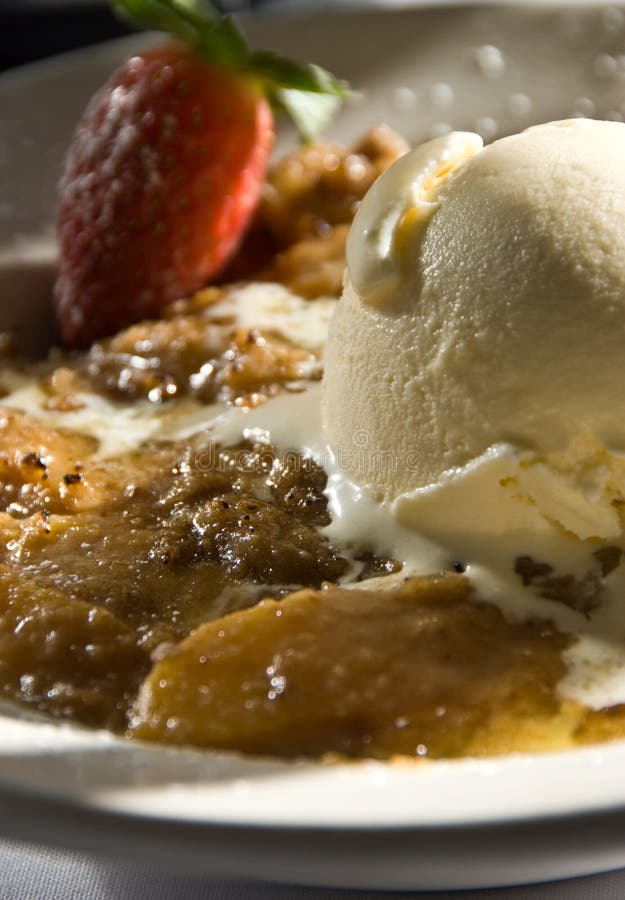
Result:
<point x="166" y="166"/>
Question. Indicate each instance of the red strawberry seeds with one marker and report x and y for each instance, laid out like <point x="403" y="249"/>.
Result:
<point x="160" y="182"/>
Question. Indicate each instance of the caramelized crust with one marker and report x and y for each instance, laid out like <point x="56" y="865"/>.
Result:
<point x="419" y="670"/>
<point x="188" y="356"/>
<point x="311" y="195"/>
<point x="166" y="537"/>
<point x="70" y="660"/>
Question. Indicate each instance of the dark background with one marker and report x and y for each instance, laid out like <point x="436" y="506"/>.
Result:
<point x="31" y="29"/>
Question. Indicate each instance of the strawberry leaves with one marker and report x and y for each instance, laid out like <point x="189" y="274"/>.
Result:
<point x="308" y="93"/>
<point x="195" y="22"/>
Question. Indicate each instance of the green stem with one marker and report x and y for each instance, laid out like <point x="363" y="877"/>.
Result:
<point x="308" y="93"/>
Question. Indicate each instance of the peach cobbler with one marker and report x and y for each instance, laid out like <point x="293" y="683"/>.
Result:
<point x="173" y="568"/>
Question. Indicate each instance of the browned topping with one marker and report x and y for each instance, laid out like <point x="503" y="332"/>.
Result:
<point x="319" y="186"/>
<point x="601" y="725"/>
<point x="299" y="235"/>
<point x="530" y="570"/>
<point x="34" y="480"/>
<point x="376" y="566"/>
<point x="33" y="459"/>
<point x="191" y="356"/>
<point x="62" y="385"/>
<point x="166" y="537"/>
<point x="251" y="540"/>
<point x="582" y="594"/>
<point x="609" y="558"/>
<point x="313" y="267"/>
<point x="68" y="659"/>
<point x="418" y="670"/>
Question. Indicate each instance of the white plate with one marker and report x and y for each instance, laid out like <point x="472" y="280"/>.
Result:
<point x="441" y="825"/>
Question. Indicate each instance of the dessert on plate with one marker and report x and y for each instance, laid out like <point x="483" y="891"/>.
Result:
<point x="211" y="541"/>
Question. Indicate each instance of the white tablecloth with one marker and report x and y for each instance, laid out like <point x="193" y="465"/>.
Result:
<point x="28" y="872"/>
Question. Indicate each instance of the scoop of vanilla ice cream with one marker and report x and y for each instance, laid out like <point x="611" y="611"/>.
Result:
<point x="484" y="307"/>
<point x="474" y="379"/>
